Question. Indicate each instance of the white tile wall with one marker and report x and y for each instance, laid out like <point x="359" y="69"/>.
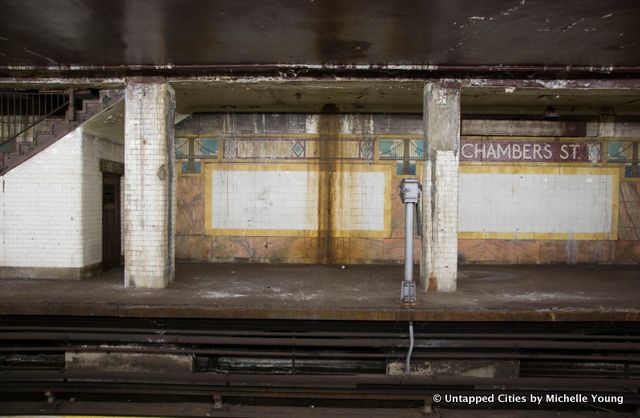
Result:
<point x="288" y="200"/>
<point x="149" y="195"/>
<point x="360" y="204"/>
<point x="51" y="214"/>
<point x="444" y="252"/>
<point x="95" y="149"/>
<point x="538" y="203"/>
<point x="255" y="199"/>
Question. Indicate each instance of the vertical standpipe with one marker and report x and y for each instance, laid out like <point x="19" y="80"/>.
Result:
<point x="408" y="242"/>
<point x="410" y="194"/>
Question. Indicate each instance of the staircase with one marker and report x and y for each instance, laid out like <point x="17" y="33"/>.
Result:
<point x="49" y="129"/>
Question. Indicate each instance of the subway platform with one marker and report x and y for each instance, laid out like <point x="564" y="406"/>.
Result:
<point x="356" y="293"/>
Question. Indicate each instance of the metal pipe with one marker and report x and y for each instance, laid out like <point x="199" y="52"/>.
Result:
<point x="408" y="242"/>
<point x="407" y="368"/>
<point x="410" y="195"/>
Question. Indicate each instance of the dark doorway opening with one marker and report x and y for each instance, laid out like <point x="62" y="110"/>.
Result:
<point x="111" y="244"/>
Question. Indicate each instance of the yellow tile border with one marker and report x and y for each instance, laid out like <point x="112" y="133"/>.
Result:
<point x="614" y="172"/>
<point x="562" y="236"/>
<point x="211" y="166"/>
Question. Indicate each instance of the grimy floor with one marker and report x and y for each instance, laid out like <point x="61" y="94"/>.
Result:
<point x="485" y="293"/>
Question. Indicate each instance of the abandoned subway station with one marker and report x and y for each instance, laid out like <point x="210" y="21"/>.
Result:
<point x="319" y="208"/>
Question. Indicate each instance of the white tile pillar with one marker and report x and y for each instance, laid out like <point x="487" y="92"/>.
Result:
<point x="149" y="184"/>
<point x="439" y="266"/>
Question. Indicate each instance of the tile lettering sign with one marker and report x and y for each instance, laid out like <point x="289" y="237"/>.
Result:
<point x="487" y="150"/>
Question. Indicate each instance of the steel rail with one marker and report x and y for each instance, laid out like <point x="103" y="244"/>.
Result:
<point x="310" y="354"/>
<point x="266" y="340"/>
<point x="363" y="381"/>
<point x="298" y="341"/>
<point x="109" y="391"/>
<point x="478" y="335"/>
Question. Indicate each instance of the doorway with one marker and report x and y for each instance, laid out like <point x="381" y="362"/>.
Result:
<point x="111" y="244"/>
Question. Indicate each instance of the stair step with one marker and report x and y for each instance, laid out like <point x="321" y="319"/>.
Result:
<point x="93" y="106"/>
<point x="46" y="126"/>
<point x="24" y="149"/>
<point x="62" y="128"/>
<point x="40" y="137"/>
<point x="89" y="109"/>
<point x="8" y="148"/>
<point x="47" y="132"/>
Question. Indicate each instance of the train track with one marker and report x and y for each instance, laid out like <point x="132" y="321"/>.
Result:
<point x="149" y="366"/>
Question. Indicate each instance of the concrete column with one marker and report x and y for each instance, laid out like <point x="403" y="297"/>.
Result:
<point x="439" y="266"/>
<point x="149" y="184"/>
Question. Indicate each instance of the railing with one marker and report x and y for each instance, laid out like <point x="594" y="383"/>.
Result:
<point x="20" y="112"/>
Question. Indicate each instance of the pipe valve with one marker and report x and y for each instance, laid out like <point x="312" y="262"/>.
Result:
<point x="410" y="191"/>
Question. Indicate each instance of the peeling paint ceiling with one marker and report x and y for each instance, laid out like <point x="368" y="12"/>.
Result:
<point x="497" y="36"/>
<point x="373" y="96"/>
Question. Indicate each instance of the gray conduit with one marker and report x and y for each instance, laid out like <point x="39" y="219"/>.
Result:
<point x="407" y="368"/>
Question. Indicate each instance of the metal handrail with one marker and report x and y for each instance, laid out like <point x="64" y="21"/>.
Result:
<point x="54" y="111"/>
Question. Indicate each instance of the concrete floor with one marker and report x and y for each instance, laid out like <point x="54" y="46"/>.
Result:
<point x="366" y="292"/>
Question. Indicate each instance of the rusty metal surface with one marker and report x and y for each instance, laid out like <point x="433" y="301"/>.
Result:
<point x="75" y="362"/>
<point x="355" y="314"/>
<point x="188" y="409"/>
<point x="245" y="291"/>
<point x="356" y="35"/>
<point x="194" y="409"/>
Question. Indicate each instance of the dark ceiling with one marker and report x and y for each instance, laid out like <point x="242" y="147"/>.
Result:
<point x="601" y="36"/>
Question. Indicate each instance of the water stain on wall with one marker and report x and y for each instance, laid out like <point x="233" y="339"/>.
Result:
<point x="328" y="146"/>
<point x="330" y="156"/>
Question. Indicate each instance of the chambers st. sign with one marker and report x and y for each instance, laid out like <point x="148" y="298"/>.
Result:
<point x="530" y="151"/>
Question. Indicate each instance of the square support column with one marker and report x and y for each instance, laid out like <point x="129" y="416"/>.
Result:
<point x="149" y="184"/>
<point x="439" y="265"/>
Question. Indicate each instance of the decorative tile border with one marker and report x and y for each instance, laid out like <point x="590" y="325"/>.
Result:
<point x="272" y="148"/>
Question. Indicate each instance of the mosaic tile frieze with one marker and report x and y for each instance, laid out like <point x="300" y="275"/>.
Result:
<point x="297" y="148"/>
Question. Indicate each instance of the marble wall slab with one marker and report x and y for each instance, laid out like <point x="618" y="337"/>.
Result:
<point x="629" y="211"/>
<point x="190" y="205"/>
